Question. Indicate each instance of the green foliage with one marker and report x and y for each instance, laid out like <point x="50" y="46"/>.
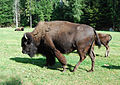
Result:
<point x="70" y="10"/>
<point x="44" y="10"/>
<point x="30" y="7"/>
<point x="115" y="13"/>
<point x="76" y="7"/>
<point x="59" y="11"/>
<point x="100" y="14"/>
<point x="104" y="15"/>
<point x="23" y="16"/>
<point x="6" y="14"/>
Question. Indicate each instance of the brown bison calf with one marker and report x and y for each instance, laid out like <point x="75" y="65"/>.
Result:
<point x="105" y="39"/>
<point x="20" y="29"/>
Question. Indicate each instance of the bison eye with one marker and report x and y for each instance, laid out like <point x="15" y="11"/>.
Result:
<point x="26" y="43"/>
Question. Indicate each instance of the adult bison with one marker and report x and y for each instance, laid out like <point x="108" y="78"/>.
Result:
<point x="51" y="39"/>
<point x="105" y="39"/>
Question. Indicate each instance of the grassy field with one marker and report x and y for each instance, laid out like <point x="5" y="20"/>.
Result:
<point x="19" y="69"/>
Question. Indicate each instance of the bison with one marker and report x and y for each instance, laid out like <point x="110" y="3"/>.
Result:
<point x="20" y="29"/>
<point x="53" y="38"/>
<point x="105" y="39"/>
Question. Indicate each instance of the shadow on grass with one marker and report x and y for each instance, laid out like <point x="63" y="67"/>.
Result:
<point x="74" y="52"/>
<point x="71" y="67"/>
<point x="38" y="62"/>
<point x="12" y="81"/>
<point x="111" y="67"/>
<point x="96" y="54"/>
<point x="41" y="63"/>
<point x="99" y="55"/>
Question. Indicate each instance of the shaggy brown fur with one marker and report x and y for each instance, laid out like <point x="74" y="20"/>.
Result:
<point x="51" y="39"/>
<point x="105" y="39"/>
<point x="20" y="29"/>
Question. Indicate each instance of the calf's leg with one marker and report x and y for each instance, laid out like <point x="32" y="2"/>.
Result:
<point x="107" y="51"/>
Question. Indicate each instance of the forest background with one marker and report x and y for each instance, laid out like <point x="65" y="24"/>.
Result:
<point x="100" y="14"/>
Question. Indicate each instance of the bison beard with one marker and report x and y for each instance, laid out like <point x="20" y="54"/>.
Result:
<point x="51" y="39"/>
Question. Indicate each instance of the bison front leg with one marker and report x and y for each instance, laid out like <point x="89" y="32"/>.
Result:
<point x="107" y="51"/>
<point x="50" y="60"/>
<point x="60" y="57"/>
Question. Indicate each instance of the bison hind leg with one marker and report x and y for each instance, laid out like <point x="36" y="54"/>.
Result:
<point x="50" y="60"/>
<point x="82" y="55"/>
<point x="92" y="57"/>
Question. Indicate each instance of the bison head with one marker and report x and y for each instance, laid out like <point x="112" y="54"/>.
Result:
<point x="28" y="45"/>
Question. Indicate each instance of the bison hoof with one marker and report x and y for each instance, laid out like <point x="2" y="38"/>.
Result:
<point x="73" y="70"/>
<point x="63" y="70"/>
<point x="90" y="71"/>
<point x="106" y="56"/>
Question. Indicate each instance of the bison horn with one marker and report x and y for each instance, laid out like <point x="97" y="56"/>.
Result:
<point x="26" y="37"/>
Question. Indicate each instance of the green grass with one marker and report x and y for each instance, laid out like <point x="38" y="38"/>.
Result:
<point x="19" y="69"/>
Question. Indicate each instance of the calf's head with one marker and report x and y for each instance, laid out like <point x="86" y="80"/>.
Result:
<point x="28" y="45"/>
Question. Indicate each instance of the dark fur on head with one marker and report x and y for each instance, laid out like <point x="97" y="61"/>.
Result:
<point x="28" y="45"/>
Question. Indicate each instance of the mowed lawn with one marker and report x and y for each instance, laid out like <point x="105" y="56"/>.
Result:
<point x="19" y="69"/>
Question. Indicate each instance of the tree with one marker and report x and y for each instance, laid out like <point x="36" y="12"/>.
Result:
<point x="44" y="9"/>
<point x="100" y="14"/>
<point x="16" y="12"/>
<point x="70" y="10"/>
<point x="114" y="10"/>
<point x="30" y="15"/>
<point x="6" y="13"/>
<point x="90" y="11"/>
<point x="30" y="10"/>
<point x="76" y="7"/>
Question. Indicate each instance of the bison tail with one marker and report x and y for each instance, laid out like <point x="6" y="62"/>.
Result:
<point x="97" y="39"/>
<point x="110" y="37"/>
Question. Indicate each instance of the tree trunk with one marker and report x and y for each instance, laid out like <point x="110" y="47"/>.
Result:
<point x="16" y="13"/>
<point x="30" y="20"/>
<point x="30" y="16"/>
